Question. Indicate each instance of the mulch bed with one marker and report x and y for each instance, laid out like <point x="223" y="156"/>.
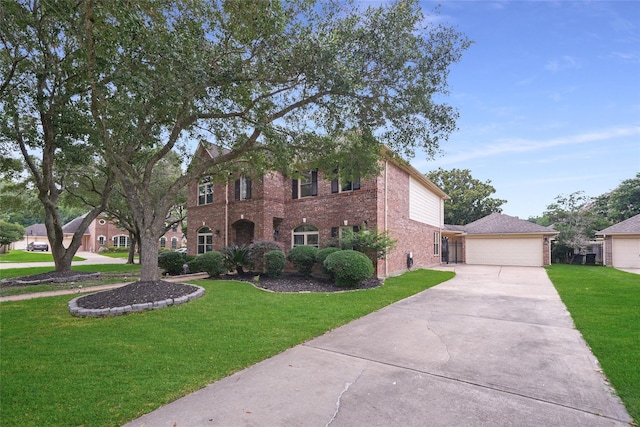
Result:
<point x="136" y="293"/>
<point x="158" y="290"/>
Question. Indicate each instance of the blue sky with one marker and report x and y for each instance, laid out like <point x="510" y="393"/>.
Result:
<point x="548" y="95"/>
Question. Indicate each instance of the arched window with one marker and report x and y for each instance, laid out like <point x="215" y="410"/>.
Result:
<point x="163" y="242"/>
<point x="174" y="243"/>
<point x="205" y="240"/>
<point x="101" y="240"/>
<point x="305" y="235"/>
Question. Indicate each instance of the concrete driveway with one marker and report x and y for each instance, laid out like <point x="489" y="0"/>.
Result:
<point x="495" y="346"/>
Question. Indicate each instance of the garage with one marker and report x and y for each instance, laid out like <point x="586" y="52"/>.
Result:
<point x="499" y="239"/>
<point x="626" y="253"/>
<point x="622" y="243"/>
<point x="505" y="251"/>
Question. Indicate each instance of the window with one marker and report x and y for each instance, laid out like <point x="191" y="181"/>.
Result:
<point x="205" y="191"/>
<point x="121" y="241"/>
<point x="305" y="235"/>
<point x="101" y="240"/>
<point x="205" y="240"/>
<point x="336" y="186"/>
<point x="243" y="188"/>
<point x="436" y="243"/>
<point x="306" y="186"/>
<point x="174" y="243"/>
<point x="174" y="227"/>
<point x="163" y="242"/>
<point x="339" y="231"/>
<point x="102" y="222"/>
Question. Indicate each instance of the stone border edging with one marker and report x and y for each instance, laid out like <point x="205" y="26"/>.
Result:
<point x="51" y="279"/>
<point x="118" y="311"/>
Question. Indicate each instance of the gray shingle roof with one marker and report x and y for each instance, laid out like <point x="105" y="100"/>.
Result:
<point x="36" y="230"/>
<point x="497" y="223"/>
<point x="73" y="225"/>
<point x="628" y="226"/>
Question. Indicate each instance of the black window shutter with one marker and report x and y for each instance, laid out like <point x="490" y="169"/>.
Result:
<point x="237" y="189"/>
<point x="335" y="231"/>
<point x="294" y="188"/>
<point x="248" y="195"/>
<point x="314" y="183"/>
<point x="356" y="183"/>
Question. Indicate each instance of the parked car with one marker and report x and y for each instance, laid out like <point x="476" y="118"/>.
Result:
<point x="182" y="250"/>
<point x="37" y="246"/>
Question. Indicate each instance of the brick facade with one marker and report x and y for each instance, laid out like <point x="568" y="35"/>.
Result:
<point x="272" y="214"/>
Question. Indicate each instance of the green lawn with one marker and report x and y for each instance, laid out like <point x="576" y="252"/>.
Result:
<point x="62" y="370"/>
<point x="112" y="273"/>
<point x="605" y="306"/>
<point x="17" y="255"/>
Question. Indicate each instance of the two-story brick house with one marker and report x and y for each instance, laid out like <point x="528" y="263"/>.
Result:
<point x="313" y="210"/>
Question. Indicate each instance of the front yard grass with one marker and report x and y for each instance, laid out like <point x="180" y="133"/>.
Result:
<point x="17" y="255"/>
<point x="112" y="273"/>
<point x="62" y="370"/>
<point x="605" y="306"/>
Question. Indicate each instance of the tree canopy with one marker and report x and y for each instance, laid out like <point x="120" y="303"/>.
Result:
<point x="272" y="85"/>
<point x="470" y="197"/>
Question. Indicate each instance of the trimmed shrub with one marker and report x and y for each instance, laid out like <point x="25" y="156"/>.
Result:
<point x="211" y="263"/>
<point x="274" y="263"/>
<point x="258" y="251"/>
<point x="303" y="258"/>
<point x="349" y="267"/>
<point x="323" y="254"/>
<point x="171" y="262"/>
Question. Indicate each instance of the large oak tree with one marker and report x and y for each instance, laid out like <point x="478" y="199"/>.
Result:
<point x="272" y="84"/>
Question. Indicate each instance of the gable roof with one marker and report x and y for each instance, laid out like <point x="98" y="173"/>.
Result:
<point x="497" y="223"/>
<point x="628" y="226"/>
<point x="73" y="225"/>
<point x="36" y="230"/>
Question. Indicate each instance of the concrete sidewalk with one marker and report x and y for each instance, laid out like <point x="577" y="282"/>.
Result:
<point x="495" y="346"/>
<point x="90" y="259"/>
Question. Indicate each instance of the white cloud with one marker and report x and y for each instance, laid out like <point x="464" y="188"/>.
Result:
<point x="521" y="145"/>
<point x="564" y="63"/>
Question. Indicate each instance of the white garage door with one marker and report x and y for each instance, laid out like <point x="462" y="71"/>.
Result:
<point x="626" y="253"/>
<point x="504" y="251"/>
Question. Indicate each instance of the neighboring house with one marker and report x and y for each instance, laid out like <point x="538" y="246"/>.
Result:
<point x="313" y="210"/>
<point x="622" y="243"/>
<point x="498" y="239"/>
<point x="101" y="232"/>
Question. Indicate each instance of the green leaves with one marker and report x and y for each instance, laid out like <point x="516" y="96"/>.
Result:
<point x="470" y="197"/>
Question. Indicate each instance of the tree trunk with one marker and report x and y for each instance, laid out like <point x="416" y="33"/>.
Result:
<point x="132" y="249"/>
<point x="148" y="256"/>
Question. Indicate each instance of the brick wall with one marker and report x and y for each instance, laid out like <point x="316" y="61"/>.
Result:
<point x="272" y="209"/>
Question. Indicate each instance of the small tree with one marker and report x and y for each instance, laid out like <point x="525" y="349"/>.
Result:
<point x="373" y="244"/>
<point x="236" y="257"/>
<point x="10" y="232"/>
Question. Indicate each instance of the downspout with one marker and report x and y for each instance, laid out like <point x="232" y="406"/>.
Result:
<point x="386" y="211"/>
<point x="226" y="214"/>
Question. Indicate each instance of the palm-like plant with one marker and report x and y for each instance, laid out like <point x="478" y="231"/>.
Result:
<point x="236" y="257"/>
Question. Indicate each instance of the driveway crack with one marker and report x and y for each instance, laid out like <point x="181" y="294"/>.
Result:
<point x="338" y="402"/>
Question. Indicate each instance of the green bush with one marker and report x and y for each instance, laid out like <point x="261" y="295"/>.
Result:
<point x="211" y="263"/>
<point x="171" y="262"/>
<point x="274" y="263"/>
<point x="323" y="254"/>
<point x="258" y="251"/>
<point x="303" y="258"/>
<point x="349" y="267"/>
<point x="236" y="257"/>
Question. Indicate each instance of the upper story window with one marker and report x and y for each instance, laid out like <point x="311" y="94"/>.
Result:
<point x="306" y="235"/>
<point x="339" y="187"/>
<point x="243" y="188"/>
<point x="205" y="191"/>
<point x="102" y="222"/>
<point x="306" y="186"/>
